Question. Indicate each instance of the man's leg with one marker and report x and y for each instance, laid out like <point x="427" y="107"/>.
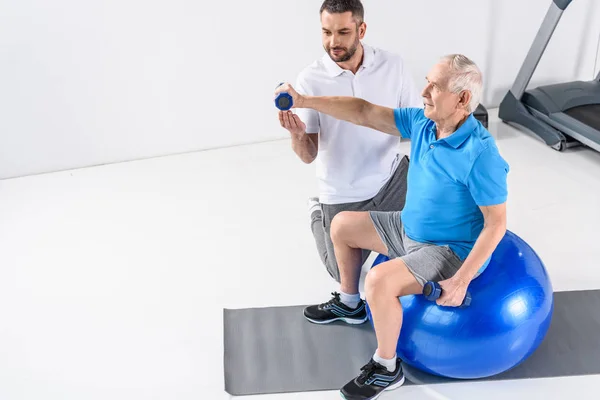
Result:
<point x="384" y="285"/>
<point x="393" y="279"/>
<point x="351" y="232"/>
<point x="321" y="216"/>
<point x="392" y="196"/>
<point x="318" y="229"/>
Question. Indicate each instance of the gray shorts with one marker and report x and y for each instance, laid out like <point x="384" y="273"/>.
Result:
<point x="427" y="262"/>
<point x="391" y="197"/>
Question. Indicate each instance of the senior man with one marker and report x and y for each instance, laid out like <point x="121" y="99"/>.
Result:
<point x="453" y="219"/>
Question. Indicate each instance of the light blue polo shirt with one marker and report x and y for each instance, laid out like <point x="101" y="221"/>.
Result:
<point x="448" y="179"/>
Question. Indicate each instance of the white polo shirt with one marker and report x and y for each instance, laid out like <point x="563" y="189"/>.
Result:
<point x="355" y="162"/>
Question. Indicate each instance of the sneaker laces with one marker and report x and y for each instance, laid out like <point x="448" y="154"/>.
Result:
<point x="368" y="370"/>
<point x="334" y="300"/>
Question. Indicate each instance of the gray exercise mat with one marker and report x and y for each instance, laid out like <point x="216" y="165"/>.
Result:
<point x="275" y="350"/>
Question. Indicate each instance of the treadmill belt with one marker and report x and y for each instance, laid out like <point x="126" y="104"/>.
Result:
<point x="589" y="115"/>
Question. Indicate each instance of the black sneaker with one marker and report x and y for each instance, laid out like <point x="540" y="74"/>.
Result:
<point x="335" y="310"/>
<point x="374" y="380"/>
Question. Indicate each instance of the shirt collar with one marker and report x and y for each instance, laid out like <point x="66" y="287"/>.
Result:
<point x="461" y="134"/>
<point x="335" y="70"/>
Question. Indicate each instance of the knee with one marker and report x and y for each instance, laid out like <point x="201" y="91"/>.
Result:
<point x="375" y="283"/>
<point x="340" y="226"/>
<point x="389" y="280"/>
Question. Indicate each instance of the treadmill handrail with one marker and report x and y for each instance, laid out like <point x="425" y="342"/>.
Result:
<point x="537" y="49"/>
<point x="562" y="4"/>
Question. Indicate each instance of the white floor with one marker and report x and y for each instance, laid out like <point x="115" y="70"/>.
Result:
<point x="113" y="279"/>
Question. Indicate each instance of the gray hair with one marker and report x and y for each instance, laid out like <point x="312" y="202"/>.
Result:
<point x="465" y="75"/>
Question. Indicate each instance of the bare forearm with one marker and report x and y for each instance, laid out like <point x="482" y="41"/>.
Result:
<point x="304" y="147"/>
<point x="351" y="109"/>
<point x="485" y="245"/>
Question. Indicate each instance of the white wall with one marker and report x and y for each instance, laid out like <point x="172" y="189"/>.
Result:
<point x="87" y="83"/>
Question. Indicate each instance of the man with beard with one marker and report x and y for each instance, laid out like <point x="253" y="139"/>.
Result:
<point x="358" y="168"/>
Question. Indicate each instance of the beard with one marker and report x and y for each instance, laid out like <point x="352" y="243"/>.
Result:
<point x="347" y="53"/>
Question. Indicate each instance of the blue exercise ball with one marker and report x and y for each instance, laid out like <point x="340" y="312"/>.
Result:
<point x="509" y="316"/>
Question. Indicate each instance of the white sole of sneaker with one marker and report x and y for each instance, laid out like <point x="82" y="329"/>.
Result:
<point x="391" y="387"/>
<point x="394" y="386"/>
<point x="346" y="320"/>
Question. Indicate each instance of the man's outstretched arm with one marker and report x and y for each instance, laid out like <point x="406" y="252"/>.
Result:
<point x="346" y="108"/>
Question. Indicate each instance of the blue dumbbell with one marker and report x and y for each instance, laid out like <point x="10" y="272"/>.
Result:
<point x="432" y="291"/>
<point x="283" y="101"/>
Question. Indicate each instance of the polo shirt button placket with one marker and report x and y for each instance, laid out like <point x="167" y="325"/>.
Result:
<point x="427" y="154"/>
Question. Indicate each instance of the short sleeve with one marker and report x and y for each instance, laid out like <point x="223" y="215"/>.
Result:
<point x="487" y="181"/>
<point x="405" y="120"/>
<point x="309" y="116"/>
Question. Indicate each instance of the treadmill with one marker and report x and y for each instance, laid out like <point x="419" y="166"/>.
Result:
<point x="562" y="115"/>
